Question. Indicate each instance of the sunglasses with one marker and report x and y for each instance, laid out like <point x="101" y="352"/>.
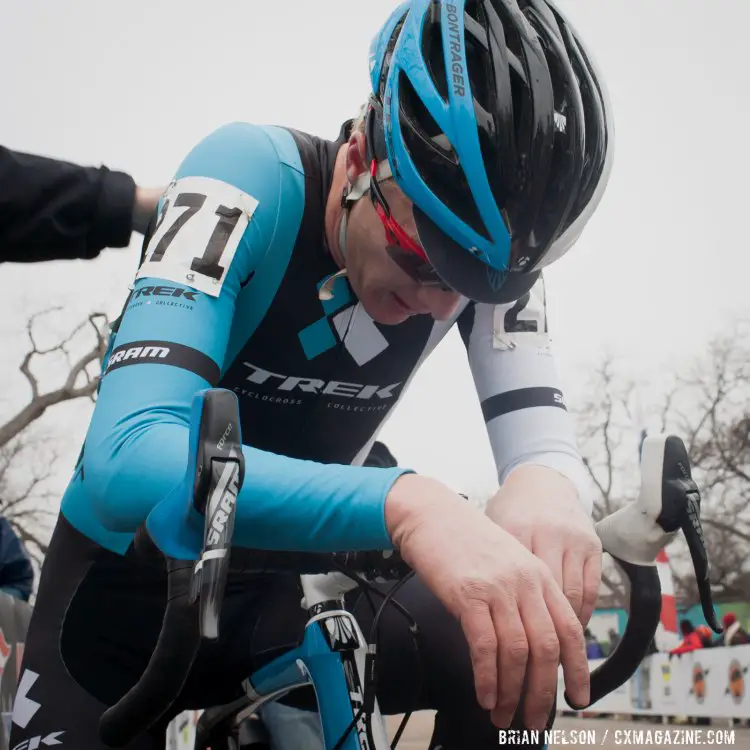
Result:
<point x="401" y="248"/>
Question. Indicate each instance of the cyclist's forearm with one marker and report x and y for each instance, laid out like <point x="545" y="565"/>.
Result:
<point x="520" y="391"/>
<point x="284" y="503"/>
<point x="290" y="504"/>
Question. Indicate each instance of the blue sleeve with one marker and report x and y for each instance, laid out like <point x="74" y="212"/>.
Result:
<point x="172" y="343"/>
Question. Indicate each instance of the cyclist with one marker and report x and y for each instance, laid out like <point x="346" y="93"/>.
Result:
<point x="297" y="273"/>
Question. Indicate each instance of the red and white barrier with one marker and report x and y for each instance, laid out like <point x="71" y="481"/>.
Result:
<point x="667" y="635"/>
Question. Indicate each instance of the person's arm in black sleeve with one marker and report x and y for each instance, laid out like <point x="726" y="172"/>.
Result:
<point x="55" y="210"/>
<point x="16" y="572"/>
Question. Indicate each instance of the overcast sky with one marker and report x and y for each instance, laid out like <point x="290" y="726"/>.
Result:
<point x="662" y="266"/>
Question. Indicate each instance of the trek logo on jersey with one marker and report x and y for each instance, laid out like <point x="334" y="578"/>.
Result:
<point x="164" y="296"/>
<point x="320" y="387"/>
<point x="166" y="291"/>
<point x="24" y="707"/>
<point x="35" y="742"/>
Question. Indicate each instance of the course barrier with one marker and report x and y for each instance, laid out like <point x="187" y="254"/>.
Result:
<point x="711" y="683"/>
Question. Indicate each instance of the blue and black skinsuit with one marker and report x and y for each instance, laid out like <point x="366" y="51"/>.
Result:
<point x="228" y="296"/>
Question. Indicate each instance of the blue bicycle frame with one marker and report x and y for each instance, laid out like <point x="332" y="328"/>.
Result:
<point x="331" y="658"/>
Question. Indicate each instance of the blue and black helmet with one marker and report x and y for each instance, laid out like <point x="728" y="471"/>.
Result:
<point x="497" y="126"/>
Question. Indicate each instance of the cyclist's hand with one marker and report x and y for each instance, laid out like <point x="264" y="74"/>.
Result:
<point x="515" y="618"/>
<point x="540" y="508"/>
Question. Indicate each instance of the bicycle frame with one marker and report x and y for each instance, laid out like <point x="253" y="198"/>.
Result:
<point x="331" y="658"/>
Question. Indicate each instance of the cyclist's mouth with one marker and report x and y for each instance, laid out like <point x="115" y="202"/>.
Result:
<point x="402" y="305"/>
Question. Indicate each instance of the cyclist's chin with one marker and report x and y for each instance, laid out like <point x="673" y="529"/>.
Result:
<point x="385" y="308"/>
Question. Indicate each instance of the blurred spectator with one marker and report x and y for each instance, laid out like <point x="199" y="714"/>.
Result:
<point x="706" y="636"/>
<point x="54" y="210"/>
<point x="691" y="641"/>
<point x="16" y="573"/>
<point x="594" y="649"/>
<point x="733" y="634"/>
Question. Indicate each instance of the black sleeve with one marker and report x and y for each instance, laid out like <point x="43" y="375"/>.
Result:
<point x="51" y="210"/>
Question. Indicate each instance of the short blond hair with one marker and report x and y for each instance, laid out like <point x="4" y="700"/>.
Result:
<point x="359" y="120"/>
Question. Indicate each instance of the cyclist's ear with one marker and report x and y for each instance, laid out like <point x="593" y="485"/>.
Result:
<point x="356" y="156"/>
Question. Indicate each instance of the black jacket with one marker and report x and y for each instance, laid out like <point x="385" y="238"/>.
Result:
<point x="16" y="573"/>
<point x="52" y="210"/>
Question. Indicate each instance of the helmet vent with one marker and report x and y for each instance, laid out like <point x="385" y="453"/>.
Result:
<point x="433" y="51"/>
<point x="435" y="158"/>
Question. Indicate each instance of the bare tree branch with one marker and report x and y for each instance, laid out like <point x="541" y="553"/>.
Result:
<point x="667" y="408"/>
<point x="711" y="409"/>
<point x="595" y="480"/>
<point x="616" y="588"/>
<point x="733" y="530"/>
<point x="70" y="389"/>
<point x="31" y="541"/>
<point x="27" y="460"/>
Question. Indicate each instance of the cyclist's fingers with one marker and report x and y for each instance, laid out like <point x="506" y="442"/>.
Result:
<point x="544" y="657"/>
<point x="572" y="645"/>
<point x="552" y="557"/>
<point x="592" y="575"/>
<point x="513" y="652"/>
<point x="479" y="630"/>
<point x="573" y="565"/>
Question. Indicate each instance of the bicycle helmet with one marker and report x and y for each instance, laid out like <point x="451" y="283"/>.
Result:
<point x="497" y="126"/>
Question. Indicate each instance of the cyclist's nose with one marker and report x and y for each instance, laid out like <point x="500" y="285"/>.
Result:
<point x="438" y="302"/>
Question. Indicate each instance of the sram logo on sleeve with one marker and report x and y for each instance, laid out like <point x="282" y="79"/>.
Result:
<point x="200" y="226"/>
<point x="167" y="353"/>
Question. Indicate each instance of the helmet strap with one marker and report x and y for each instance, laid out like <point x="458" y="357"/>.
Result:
<point x="349" y="196"/>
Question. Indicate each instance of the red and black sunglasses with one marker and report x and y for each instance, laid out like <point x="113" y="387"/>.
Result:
<point x="402" y="249"/>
